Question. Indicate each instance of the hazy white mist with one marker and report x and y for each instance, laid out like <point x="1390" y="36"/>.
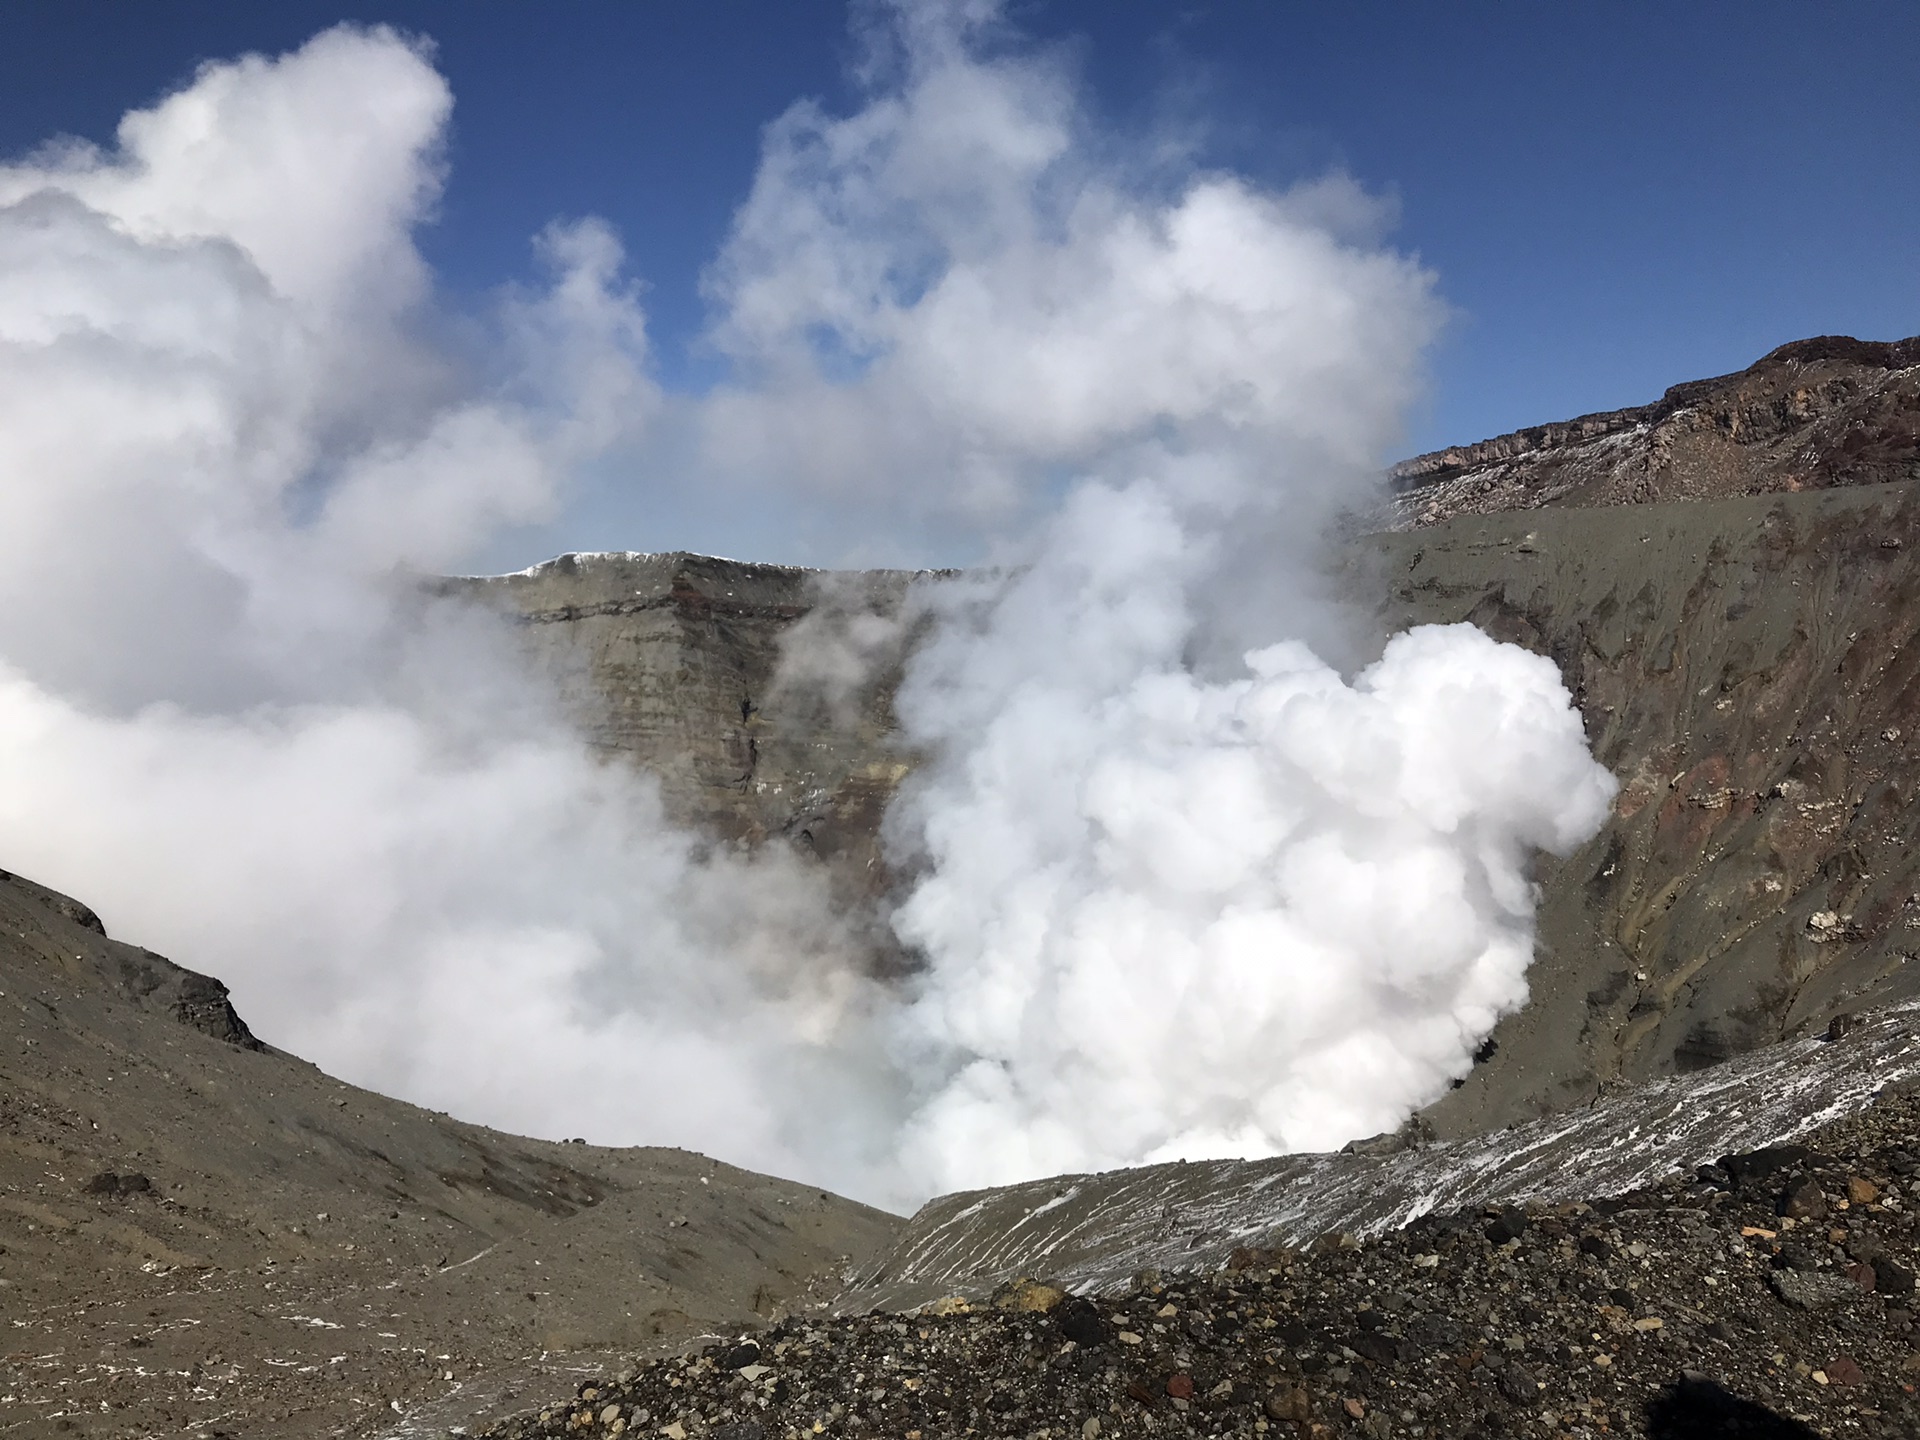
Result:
<point x="1179" y="887"/>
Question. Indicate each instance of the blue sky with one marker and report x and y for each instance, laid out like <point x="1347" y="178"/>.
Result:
<point x="1616" y="197"/>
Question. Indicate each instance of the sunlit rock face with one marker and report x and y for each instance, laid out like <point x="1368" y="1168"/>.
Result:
<point x="673" y="662"/>
<point x="1812" y="415"/>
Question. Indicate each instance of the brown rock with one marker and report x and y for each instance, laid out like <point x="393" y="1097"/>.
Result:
<point x="1861" y="1192"/>
<point x="1030" y="1297"/>
<point x="1292" y="1404"/>
<point x="1843" y="1370"/>
<point x="1804" y="1202"/>
<point x="1180" y="1386"/>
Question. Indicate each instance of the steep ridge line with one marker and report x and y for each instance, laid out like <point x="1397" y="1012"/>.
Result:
<point x="1093" y="1233"/>
<point x="1812" y="414"/>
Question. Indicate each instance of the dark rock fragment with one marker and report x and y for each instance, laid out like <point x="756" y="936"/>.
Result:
<point x="1890" y="1277"/>
<point x="1812" y="1289"/>
<point x="1375" y="1345"/>
<point x="1518" y="1385"/>
<point x="738" y="1357"/>
<point x="1803" y="1201"/>
<point x="1757" y="1165"/>
<point x="1080" y="1321"/>
<point x="118" y="1187"/>
<point x="1509" y="1224"/>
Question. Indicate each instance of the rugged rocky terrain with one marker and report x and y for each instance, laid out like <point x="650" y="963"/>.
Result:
<point x="1091" y="1232"/>
<point x="1768" y="1294"/>
<point x="200" y="1235"/>
<point x="1812" y="415"/>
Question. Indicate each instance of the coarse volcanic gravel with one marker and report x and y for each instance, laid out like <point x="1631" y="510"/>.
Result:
<point x="1772" y="1294"/>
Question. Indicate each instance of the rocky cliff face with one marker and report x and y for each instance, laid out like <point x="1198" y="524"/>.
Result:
<point x="673" y="663"/>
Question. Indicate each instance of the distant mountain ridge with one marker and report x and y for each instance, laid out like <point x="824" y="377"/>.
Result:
<point x="1813" y="414"/>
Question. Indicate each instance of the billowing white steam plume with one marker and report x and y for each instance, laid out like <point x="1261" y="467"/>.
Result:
<point x="1176" y="900"/>
<point x="1180" y="889"/>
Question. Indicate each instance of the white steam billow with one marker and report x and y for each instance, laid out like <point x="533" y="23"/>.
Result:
<point x="1173" y="919"/>
<point x="1178" y="888"/>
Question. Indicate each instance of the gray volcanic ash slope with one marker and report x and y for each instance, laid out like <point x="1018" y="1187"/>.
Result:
<point x="200" y="1234"/>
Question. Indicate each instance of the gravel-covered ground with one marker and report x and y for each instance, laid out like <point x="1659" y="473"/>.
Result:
<point x="1770" y="1295"/>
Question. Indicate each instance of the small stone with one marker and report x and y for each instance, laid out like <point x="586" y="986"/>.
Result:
<point x="1890" y="1277"/>
<point x="1648" y="1322"/>
<point x="1355" y="1407"/>
<point x="1081" y="1322"/>
<point x="1372" y="1345"/>
<point x="1509" y="1224"/>
<point x="1030" y="1297"/>
<point x="1180" y="1386"/>
<point x="1863" y="1276"/>
<point x="1844" y="1370"/>
<point x="1796" y="1257"/>
<point x="675" y="1431"/>
<point x="1291" y="1405"/>
<point x="1595" y="1246"/>
<point x="1841" y="1026"/>
<point x="1128" y="1337"/>
<point x="750" y="1373"/>
<point x="1090" y="1428"/>
<point x="1804" y="1202"/>
<point x="1518" y="1385"/>
<point x="1812" y="1289"/>
<point x="1860" y="1191"/>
